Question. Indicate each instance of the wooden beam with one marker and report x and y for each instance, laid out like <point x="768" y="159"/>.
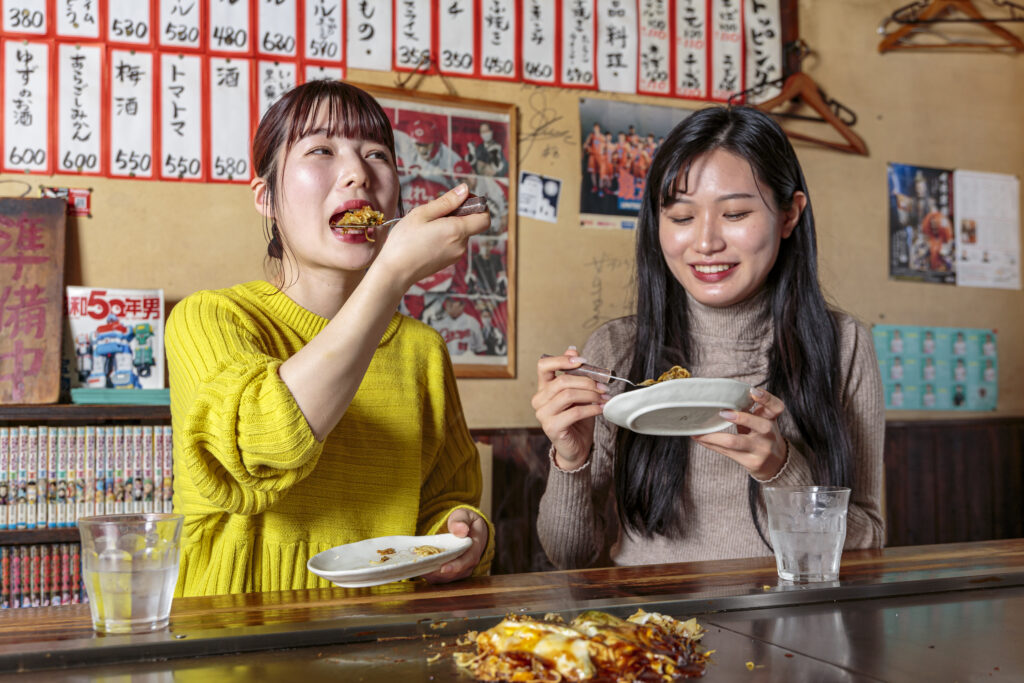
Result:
<point x="790" y="20"/>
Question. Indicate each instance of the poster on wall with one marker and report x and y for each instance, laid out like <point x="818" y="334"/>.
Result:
<point x="440" y="142"/>
<point x="113" y="338"/>
<point x="619" y="141"/>
<point x="538" y="196"/>
<point x="937" y="368"/>
<point x="921" y="239"/>
<point x="987" y="212"/>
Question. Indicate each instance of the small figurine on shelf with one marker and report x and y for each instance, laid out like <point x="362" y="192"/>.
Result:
<point x="143" y="333"/>
<point x="102" y="322"/>
<point x="109" y="340"/>
<point x="123" y="375"/>
<point x="83" y="355"/>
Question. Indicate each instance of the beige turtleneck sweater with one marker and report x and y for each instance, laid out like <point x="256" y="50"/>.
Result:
<point x="577" y="524"/>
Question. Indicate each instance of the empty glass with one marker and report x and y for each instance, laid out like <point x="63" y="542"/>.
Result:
<point x="807" y="526"/>
<point x="130" y="568"/>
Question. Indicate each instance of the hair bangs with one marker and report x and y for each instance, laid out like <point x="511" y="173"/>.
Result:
<point x="670" y="181"/>
<point x="340" y="110"/>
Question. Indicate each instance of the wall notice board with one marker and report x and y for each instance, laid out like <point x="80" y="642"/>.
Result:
<point x="912" y="108"/>
<point x="31" y="299"/>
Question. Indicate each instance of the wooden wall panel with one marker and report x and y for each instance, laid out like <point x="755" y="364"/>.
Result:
<point x="520" y="470"/>
<point x="954" y="481"/>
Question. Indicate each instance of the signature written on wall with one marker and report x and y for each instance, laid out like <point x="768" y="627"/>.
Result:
<point x="606" y="303"/>
<point x="542" y="125"/>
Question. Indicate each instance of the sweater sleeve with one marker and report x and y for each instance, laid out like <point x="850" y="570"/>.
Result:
<point x="452" y="478"/>
<point x="239" y="436"/>
<point x="864" y="408"/>
<point x="576" y="522"/>
<point x="864" y="404"/>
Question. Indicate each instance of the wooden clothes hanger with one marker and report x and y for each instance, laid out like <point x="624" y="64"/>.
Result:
<point x="800" y="86"/>
<point x="931" y="14"/>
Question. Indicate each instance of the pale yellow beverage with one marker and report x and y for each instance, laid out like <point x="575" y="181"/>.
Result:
<point x="130" y="567"/>
<point x="130" y="601"/>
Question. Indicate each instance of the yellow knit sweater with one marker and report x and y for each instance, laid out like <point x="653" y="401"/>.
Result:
<point x="259" y="493"/>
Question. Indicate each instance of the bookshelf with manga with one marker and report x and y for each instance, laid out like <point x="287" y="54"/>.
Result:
<point x="104" y="449"/>
<point x="40" y="575"/>
<point x="53" y="474"/>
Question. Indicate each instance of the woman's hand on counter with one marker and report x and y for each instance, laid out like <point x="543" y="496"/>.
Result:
<point x="463" y="522"/>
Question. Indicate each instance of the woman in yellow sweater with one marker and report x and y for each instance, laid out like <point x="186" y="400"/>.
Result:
<point x="307" y="412"/>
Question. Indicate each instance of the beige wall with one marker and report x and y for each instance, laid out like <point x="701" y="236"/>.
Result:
<point x="943" y="110"/>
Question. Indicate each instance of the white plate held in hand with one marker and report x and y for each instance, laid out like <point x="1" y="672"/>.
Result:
<point x="355" y="565"/>
<point x="678" y="407"/>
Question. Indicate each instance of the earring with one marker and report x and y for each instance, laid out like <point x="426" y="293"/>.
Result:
<point x="274" y="247"/>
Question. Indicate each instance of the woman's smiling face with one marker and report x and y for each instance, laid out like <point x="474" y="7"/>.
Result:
<point x="720" y="233"/>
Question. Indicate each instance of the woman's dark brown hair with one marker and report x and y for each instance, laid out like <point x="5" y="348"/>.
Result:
<point x="803" y="362"/>
<point x="351" y="113"/>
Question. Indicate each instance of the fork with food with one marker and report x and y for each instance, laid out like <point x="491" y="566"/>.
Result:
<point x="370" y="222"/>
<point x="605" y="375"/>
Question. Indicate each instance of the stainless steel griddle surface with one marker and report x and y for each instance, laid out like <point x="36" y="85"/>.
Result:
<point x="963" y="628"/>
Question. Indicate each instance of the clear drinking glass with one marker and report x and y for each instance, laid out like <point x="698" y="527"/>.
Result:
<point x="130" y="568"/>
<point x="807" y="527"/>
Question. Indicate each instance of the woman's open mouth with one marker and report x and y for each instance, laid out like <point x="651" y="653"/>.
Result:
<point x="360" y="217"/>
<point x="351" y="225"/>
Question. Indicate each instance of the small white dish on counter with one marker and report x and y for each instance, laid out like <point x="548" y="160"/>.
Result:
<point x="679" y="407"/>
<point x="355" y="565"/>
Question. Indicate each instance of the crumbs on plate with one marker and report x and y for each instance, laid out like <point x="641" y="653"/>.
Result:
<point x="385" y="555"/>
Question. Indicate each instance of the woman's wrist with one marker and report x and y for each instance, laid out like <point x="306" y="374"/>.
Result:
<point x="385" y="281"/>
<point x="568" y="465"/>
<point x="781" y="470"/>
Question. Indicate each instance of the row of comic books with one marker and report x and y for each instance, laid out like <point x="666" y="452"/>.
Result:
<point x="40" y="575"/>
<point x="51" y="476"/>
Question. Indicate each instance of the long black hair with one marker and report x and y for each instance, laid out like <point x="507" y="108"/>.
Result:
<point x="803" y="367"/>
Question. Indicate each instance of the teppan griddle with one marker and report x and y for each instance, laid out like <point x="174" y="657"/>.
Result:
<point x="952" y="612"/>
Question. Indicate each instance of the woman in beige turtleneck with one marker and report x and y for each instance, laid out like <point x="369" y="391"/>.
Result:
<point x="726" y="286"/>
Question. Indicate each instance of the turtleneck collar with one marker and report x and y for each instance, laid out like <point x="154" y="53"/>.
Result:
<point x="732" y="342"/>
<point x="750" y="320"/>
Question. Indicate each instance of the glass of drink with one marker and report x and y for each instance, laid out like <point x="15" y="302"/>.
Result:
<point x="807" y="526"/>
<point x="130" y="567"/>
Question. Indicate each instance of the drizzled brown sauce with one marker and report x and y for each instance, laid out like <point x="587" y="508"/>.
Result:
<point x="620" y="651"/>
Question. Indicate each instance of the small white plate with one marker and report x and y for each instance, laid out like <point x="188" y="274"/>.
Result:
<point x="678" y="407"/>
<point x="355" y="565"/>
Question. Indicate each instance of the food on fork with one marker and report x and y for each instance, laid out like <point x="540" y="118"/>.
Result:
<point x="363" y="216"/>
<point x="675" y="372"/>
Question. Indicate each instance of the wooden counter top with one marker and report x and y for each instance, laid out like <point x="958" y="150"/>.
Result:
<point x="264" y="624"/>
